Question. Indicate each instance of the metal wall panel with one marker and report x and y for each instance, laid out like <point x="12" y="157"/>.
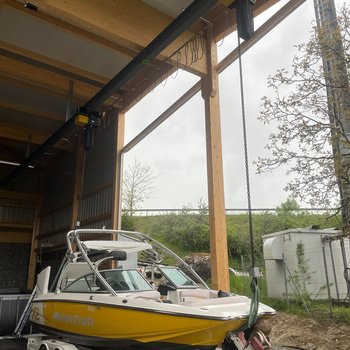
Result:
<point x="16" y="221"/>
<point x="14" y="265"/>
<point x="97" y="190"/>
<point x="16" y="215"/>
<point x="28" y="181"/>
<point x="56" y="212"/>
<point x="97" y="204"/>
<point x="11" y="309"/>
<point x="97" y="199"/>
<point x="56" y="220"/>
<point x="99" y="174"/>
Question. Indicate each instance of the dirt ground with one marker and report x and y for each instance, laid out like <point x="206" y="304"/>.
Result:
<point x="308" y="333"/>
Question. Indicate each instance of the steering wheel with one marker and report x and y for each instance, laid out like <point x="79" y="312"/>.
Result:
<point x="116" y="285"/>
<point x="124" y="285"/>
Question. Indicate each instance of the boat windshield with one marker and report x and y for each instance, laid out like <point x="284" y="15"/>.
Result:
<point x="177" y="277"/>
<point x="120" y="280"/>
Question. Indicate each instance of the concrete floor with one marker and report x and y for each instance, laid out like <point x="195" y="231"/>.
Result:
<point x="13" y="344"/>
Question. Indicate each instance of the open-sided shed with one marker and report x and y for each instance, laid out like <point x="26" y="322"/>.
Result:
<point x="56" y="56"/>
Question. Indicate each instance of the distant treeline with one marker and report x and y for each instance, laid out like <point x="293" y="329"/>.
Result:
<point x="188" y="232"/>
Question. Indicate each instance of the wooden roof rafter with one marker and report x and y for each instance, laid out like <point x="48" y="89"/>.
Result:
<point x="124" y="26"/>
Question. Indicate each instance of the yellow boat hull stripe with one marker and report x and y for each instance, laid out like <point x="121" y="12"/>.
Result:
<point x="113" y="322"/>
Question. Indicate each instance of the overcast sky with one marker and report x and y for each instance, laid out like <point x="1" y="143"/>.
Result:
<point x="176" y="149"/>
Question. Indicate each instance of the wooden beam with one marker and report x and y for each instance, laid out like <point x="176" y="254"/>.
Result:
<point x="217" y="217"/>
<point x="22" y="134"/>
<point x="15" y="225"/>
<point x="39" y="88"/>
<point x="23" y="196"/>
<point x="10" y="67"/>
<point x="15" y="237"/>
<point x="32" y="111"/>
<point x="119" y="126"/>
<point x="70" y="28"/>
<point x="131" y="25"/>
<point x="71" y="72"/>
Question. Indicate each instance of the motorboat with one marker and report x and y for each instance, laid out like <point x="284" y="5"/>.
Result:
<point x="134" y="293"/>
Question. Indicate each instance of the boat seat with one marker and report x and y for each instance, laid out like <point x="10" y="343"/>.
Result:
<point x="187" y="295"/>
<point x="149" y="295"/>
<point x="217" y="301"/>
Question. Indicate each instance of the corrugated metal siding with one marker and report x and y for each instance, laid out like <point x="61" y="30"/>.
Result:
<point x="16" y="221"/>
<point x="28" y="181"/>
<point x="56" y="220"/>
<point x="97" y="204"/>
<point x="11" y="309"/>
<point x="14" y="265"/>
<point x="97" y="200"/>
<point x="56" y="213"/>
<point x="98" y="174"/>
<point x="16" y="215"/>
<point x="97" y="191"/>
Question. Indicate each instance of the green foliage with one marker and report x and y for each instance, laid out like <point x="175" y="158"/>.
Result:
<point x="302" y="275"/>
<point x="185" y="230"/>
<point x="241" y="285"/>
<point x="289" y="207"/>
<point x="189" y="232"/>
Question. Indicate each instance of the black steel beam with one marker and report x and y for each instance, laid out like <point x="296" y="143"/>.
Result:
<point x="43" y="148"/>
<point x="190" y="15"/>
<point x="196" y="10"/>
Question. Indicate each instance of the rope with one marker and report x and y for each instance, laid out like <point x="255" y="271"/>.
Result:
<point x="254" y="304"/>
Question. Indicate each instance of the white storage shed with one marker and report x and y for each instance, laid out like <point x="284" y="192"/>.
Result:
<point x="325" y="256"/>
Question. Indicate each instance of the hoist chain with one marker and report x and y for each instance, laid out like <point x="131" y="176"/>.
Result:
<point x="250" y="221"/>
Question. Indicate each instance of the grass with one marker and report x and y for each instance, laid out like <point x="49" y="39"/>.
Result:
<point x="318" y="309"/>
<point x="241" y="285"/>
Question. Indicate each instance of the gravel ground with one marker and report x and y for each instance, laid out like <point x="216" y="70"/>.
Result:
<point x="309" y="333"/>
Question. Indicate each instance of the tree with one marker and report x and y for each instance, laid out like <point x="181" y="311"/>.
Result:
<point x="307" y="130"/>
<point x="138" y="185"/>
<point x="289" y="207"/>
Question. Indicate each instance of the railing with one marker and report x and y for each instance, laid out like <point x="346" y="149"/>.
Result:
<point x="155" y="211"/>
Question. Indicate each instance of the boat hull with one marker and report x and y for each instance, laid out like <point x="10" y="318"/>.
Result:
<point x="103" y="326"/>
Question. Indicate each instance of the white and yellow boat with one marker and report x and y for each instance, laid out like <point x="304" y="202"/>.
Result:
<point x="141" y="303"/>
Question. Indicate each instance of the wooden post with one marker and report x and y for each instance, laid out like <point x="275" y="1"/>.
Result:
<point x="118" y="170"/>
<point x="77" y="195"/>
<point x="217" y="217"/>
<point x="34" y="245"/>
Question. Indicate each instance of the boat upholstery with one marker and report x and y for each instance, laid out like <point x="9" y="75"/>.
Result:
<point x="195" y="294"/>
<point x="217" y="301"/>
<point x="149" y="295"/>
